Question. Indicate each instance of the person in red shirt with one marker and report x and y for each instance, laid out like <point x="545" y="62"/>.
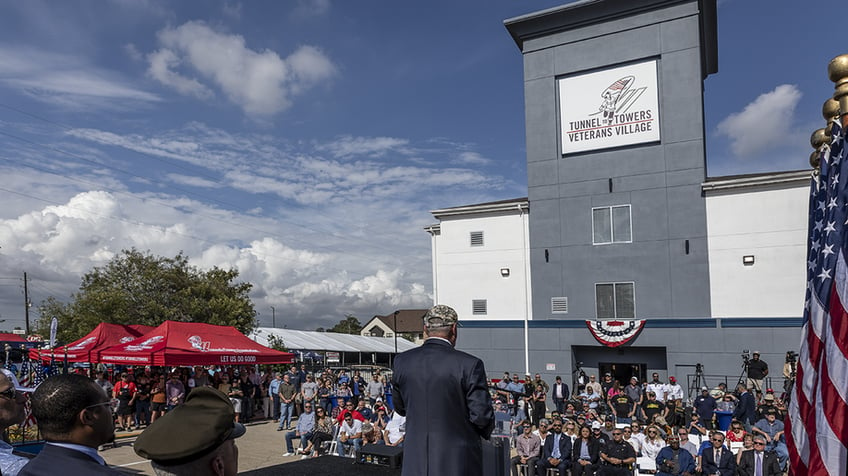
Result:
<point x="349" y="409"/>
<point x="125" y="391"/>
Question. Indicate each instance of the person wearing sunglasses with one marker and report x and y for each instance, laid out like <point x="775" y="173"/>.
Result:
<point x="527" y="449"/>
<point x="74" y="417"/>
<point x="12" y="412"/>
<point x="674" y="460"/>
<point x="556" y="453"/>
<point x="717" y="460"/>
<point x="653" y="442"/>
<point x="758" y="461"/>
<point x="617" y="456"/>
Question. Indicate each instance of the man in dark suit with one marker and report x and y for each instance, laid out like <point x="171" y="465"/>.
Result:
<point x="443" y="394"/>
<point x="718" y="460"/>
<point x="751" y="459"/>
<point x="746" y="408"/>
<point x="556" y="453"/>
<point x="559" y="393"/>
<point x="74" y="418"/>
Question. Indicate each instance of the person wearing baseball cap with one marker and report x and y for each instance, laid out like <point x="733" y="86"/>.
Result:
<point x="12" y="412"/>
<point x="195" y="438"/>
<point x="442" y="391"/>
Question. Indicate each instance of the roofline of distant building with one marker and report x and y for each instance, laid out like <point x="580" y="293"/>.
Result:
<point x="583" y="13"/>
<point x="734" y="182"/>
<point x="510" y="205"/>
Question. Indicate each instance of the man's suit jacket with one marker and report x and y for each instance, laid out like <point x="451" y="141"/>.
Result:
<point x="725" y="467"/>
<point x="443" y="394"/>
<point x="564" y="448"/>
<point x="564" y="390"/>
<point x="771" y="467"/>
<point x="67" y="462"/>
<point x="746" y="408"/>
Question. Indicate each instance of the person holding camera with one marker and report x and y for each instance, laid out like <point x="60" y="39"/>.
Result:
<point x="673" y="460"/>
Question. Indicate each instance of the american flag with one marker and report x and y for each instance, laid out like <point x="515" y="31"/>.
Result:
<point x="23" y="374"/>
<point x="817" y="423"/>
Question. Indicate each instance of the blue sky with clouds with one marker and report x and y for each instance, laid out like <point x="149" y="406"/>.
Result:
<point x="304" y="142"/>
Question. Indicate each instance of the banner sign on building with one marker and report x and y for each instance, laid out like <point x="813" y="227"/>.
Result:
<point x="610" y="108"/>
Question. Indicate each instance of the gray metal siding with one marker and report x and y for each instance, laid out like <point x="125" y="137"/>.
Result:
<point x="660" y="181"/>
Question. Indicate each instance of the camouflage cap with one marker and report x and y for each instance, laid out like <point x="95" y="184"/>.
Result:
<point x="440" y="316"/>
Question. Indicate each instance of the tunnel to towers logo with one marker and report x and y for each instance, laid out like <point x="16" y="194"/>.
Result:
<point x="609" y="108"/>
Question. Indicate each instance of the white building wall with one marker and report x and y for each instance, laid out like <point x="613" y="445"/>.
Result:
<point x="464" y="273"/>
<point x="770" y="224"/>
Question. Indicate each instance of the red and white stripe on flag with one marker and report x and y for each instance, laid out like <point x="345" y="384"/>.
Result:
<point x="817" y="421"/>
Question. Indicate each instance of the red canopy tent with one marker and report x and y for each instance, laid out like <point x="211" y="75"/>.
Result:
<point x="9" y="337"/>
<point x="193" y="343"/>
<point x="87" y="349"/>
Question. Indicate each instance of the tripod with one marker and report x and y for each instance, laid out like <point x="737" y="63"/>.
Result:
<point x="697" y="382"/>
<point x="788" y="385"/>
<point x="743" y="377"/>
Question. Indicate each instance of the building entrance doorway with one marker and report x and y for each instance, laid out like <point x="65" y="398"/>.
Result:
<point x="623" y="371"/>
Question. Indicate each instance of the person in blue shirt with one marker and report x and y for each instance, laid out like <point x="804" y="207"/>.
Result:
<point x="274" y="392"/>
<point x="674" y="460"/>
<point x="705" y="406"/>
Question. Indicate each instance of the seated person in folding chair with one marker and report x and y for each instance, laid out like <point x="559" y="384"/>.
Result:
<point x="527" y="448"/>
<point x="674" y="460"/>
<point x="556" y="453"/>
<point x="395" y="430"/>
<point x="350" y="434"/>
<point x="617" y="456"/>
<point x="718" y="460"/>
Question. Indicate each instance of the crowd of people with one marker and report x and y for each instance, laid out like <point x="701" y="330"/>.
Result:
<point x="604" y="428"/>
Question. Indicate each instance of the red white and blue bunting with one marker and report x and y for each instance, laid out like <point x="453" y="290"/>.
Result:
<point x="615" y="333"/>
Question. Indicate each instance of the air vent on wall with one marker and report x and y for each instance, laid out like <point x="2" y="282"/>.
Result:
<point x="559" y="305"/>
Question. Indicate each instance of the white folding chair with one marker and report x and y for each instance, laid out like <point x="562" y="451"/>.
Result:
<point x="736" y="446"/>
<point x="333" y="444"/>
<point x="645" y="464"/>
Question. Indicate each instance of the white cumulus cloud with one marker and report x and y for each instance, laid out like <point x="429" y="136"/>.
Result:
<point x="193" y="57"/>
<point x="764" y="124"/>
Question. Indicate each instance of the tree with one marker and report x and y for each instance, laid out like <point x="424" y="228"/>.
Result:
<point x="349" y="325"/>
<point x="140" y="288"/>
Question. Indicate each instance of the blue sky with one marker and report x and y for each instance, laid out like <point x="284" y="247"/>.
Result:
<point x="304" y="142"/>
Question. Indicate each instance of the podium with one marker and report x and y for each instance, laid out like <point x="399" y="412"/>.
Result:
<point x="380" y="455"/>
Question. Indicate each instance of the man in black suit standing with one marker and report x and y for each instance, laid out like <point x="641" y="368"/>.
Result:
<point x="746" y="408"/>
<point x="758" y="462"/>
<point x="442" y="392"/>
<point x="556" y="453"/>
<point x="74" y="418"/>
<point x="718" y="460"/>
<point x="559" y="393"/>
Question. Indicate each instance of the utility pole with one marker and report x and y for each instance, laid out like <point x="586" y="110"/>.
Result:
<point x="27" y="304"/>
<point x="273" y="317"/>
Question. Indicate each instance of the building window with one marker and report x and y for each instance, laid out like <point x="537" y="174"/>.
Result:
<point x="479" y="307"/>
<point x="615" y="301"/>
<point x="611" y="225"/>
<point x="559" y="305"/>
<point x="476" y="238"/>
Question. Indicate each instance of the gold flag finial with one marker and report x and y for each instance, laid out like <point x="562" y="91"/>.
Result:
<point x="837" y="71"/>
<point x="817" y="139"/>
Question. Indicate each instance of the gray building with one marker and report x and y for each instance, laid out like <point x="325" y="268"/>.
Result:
<point x="618" y="216"/>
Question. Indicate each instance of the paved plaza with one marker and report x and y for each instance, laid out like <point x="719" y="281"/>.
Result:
<point x="261" y="447"/>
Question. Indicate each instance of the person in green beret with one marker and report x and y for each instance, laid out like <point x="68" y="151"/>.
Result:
<point x="196" y="438"/>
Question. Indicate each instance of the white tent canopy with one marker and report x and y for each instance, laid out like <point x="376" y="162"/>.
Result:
<point x="331" y="341"/>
